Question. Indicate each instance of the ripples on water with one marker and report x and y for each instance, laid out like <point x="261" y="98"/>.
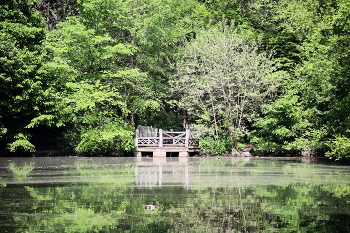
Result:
<point x="75" y="194"/>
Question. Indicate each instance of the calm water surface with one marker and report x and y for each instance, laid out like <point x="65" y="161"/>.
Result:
<point x="75" y="194"/>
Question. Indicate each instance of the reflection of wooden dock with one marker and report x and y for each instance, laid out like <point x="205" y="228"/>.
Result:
<point x="151" y="175"/>
<point x="189" y="172"/>
<point x="159" y="142"/>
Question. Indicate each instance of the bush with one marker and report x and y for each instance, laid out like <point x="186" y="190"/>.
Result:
<point x="339" y="148"/>
<point x="112" y="138"/>
<point x="21" y="143"/>
<point x="209" y="145"/>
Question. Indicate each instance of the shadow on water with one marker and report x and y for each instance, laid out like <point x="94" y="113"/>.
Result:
<point x="76" y="194"/>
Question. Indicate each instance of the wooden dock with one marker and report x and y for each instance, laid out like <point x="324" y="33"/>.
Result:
<point x="160" y="142"/>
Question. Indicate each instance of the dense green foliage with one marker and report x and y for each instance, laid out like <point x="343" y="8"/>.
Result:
<point x="340" y="147"/>
<point x="82" y="74"/>
<point x="23" y="90"/>
<point x="222" y="79"/>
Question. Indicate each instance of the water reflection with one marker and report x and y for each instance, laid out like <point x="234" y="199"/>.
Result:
<point x="192" y="195"/>
<point x="21" y="171"/>
<point x="159" y="171"/>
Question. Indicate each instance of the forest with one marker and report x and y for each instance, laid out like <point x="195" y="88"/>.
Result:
<point x="81" y="75"/>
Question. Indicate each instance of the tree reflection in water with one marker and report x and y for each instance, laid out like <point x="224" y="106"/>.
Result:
<point x="98" y="196"/>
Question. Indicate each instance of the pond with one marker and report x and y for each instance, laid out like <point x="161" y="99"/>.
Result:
<point x="221" y="194"/>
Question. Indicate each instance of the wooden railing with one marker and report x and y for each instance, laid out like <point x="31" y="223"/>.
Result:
<point x="167" y="139"/>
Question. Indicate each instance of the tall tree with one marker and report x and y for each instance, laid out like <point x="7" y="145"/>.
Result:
<point x="93" y="87"/>
<point x="320" y="84"/>
<point x="117" y="53"/>
<point x="56" y="11"/>
<point x="221" y="79"/>
<point x="156" y="28"/>
<point x="22" y="30"/>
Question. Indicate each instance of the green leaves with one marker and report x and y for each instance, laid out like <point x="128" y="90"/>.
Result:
<point x="42" y="119"/>
<point x="86" y="51"/>
<point x="85" y="96"/>
<point x="112" y="137"/>
<point x="113" y="63"/>
<point x="96" y="90"/>
<point x="339" y="147"/>
<point x="222" y="78"/>
<point x="310" y="42"/>
<point x="22" y="30"/>
<point x="21" y="143"/>
<point x="286" y="125"/>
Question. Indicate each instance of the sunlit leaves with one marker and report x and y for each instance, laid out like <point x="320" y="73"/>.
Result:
<point x="86" y="51"/>
<point x="339" y="147"/>
<point x="310" y="40"/>
<point x="112" y="137"/>
<point x="22" y="31"/>
<point x="282" y="122"/>
<point x="114" y="60"/>
<point x="222" y="78"/>
<point x="21" y="143"/>
<point x="95" y="89"/>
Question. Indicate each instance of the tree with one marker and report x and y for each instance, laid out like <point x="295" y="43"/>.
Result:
<point x="222" y="79"/>
<point x="23" y="91"/>
<point x="313" y="37"/>
<point x="284" y="125"/>
<point x="56" y="11"/>
<point x="339" y="147"/>
<point x="110" y="67"/>
<point x="91" y="88"/>
<point x="156" y="28"/>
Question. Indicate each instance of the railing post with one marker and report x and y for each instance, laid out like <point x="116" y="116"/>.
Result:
<point x="160" y="138"/>
<point x="187" y="137"/>
<point x="136" y="137"/>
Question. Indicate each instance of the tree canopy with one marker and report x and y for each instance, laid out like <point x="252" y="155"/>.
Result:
<point x="221" y="80"/>
<point x="82" y="74"/>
